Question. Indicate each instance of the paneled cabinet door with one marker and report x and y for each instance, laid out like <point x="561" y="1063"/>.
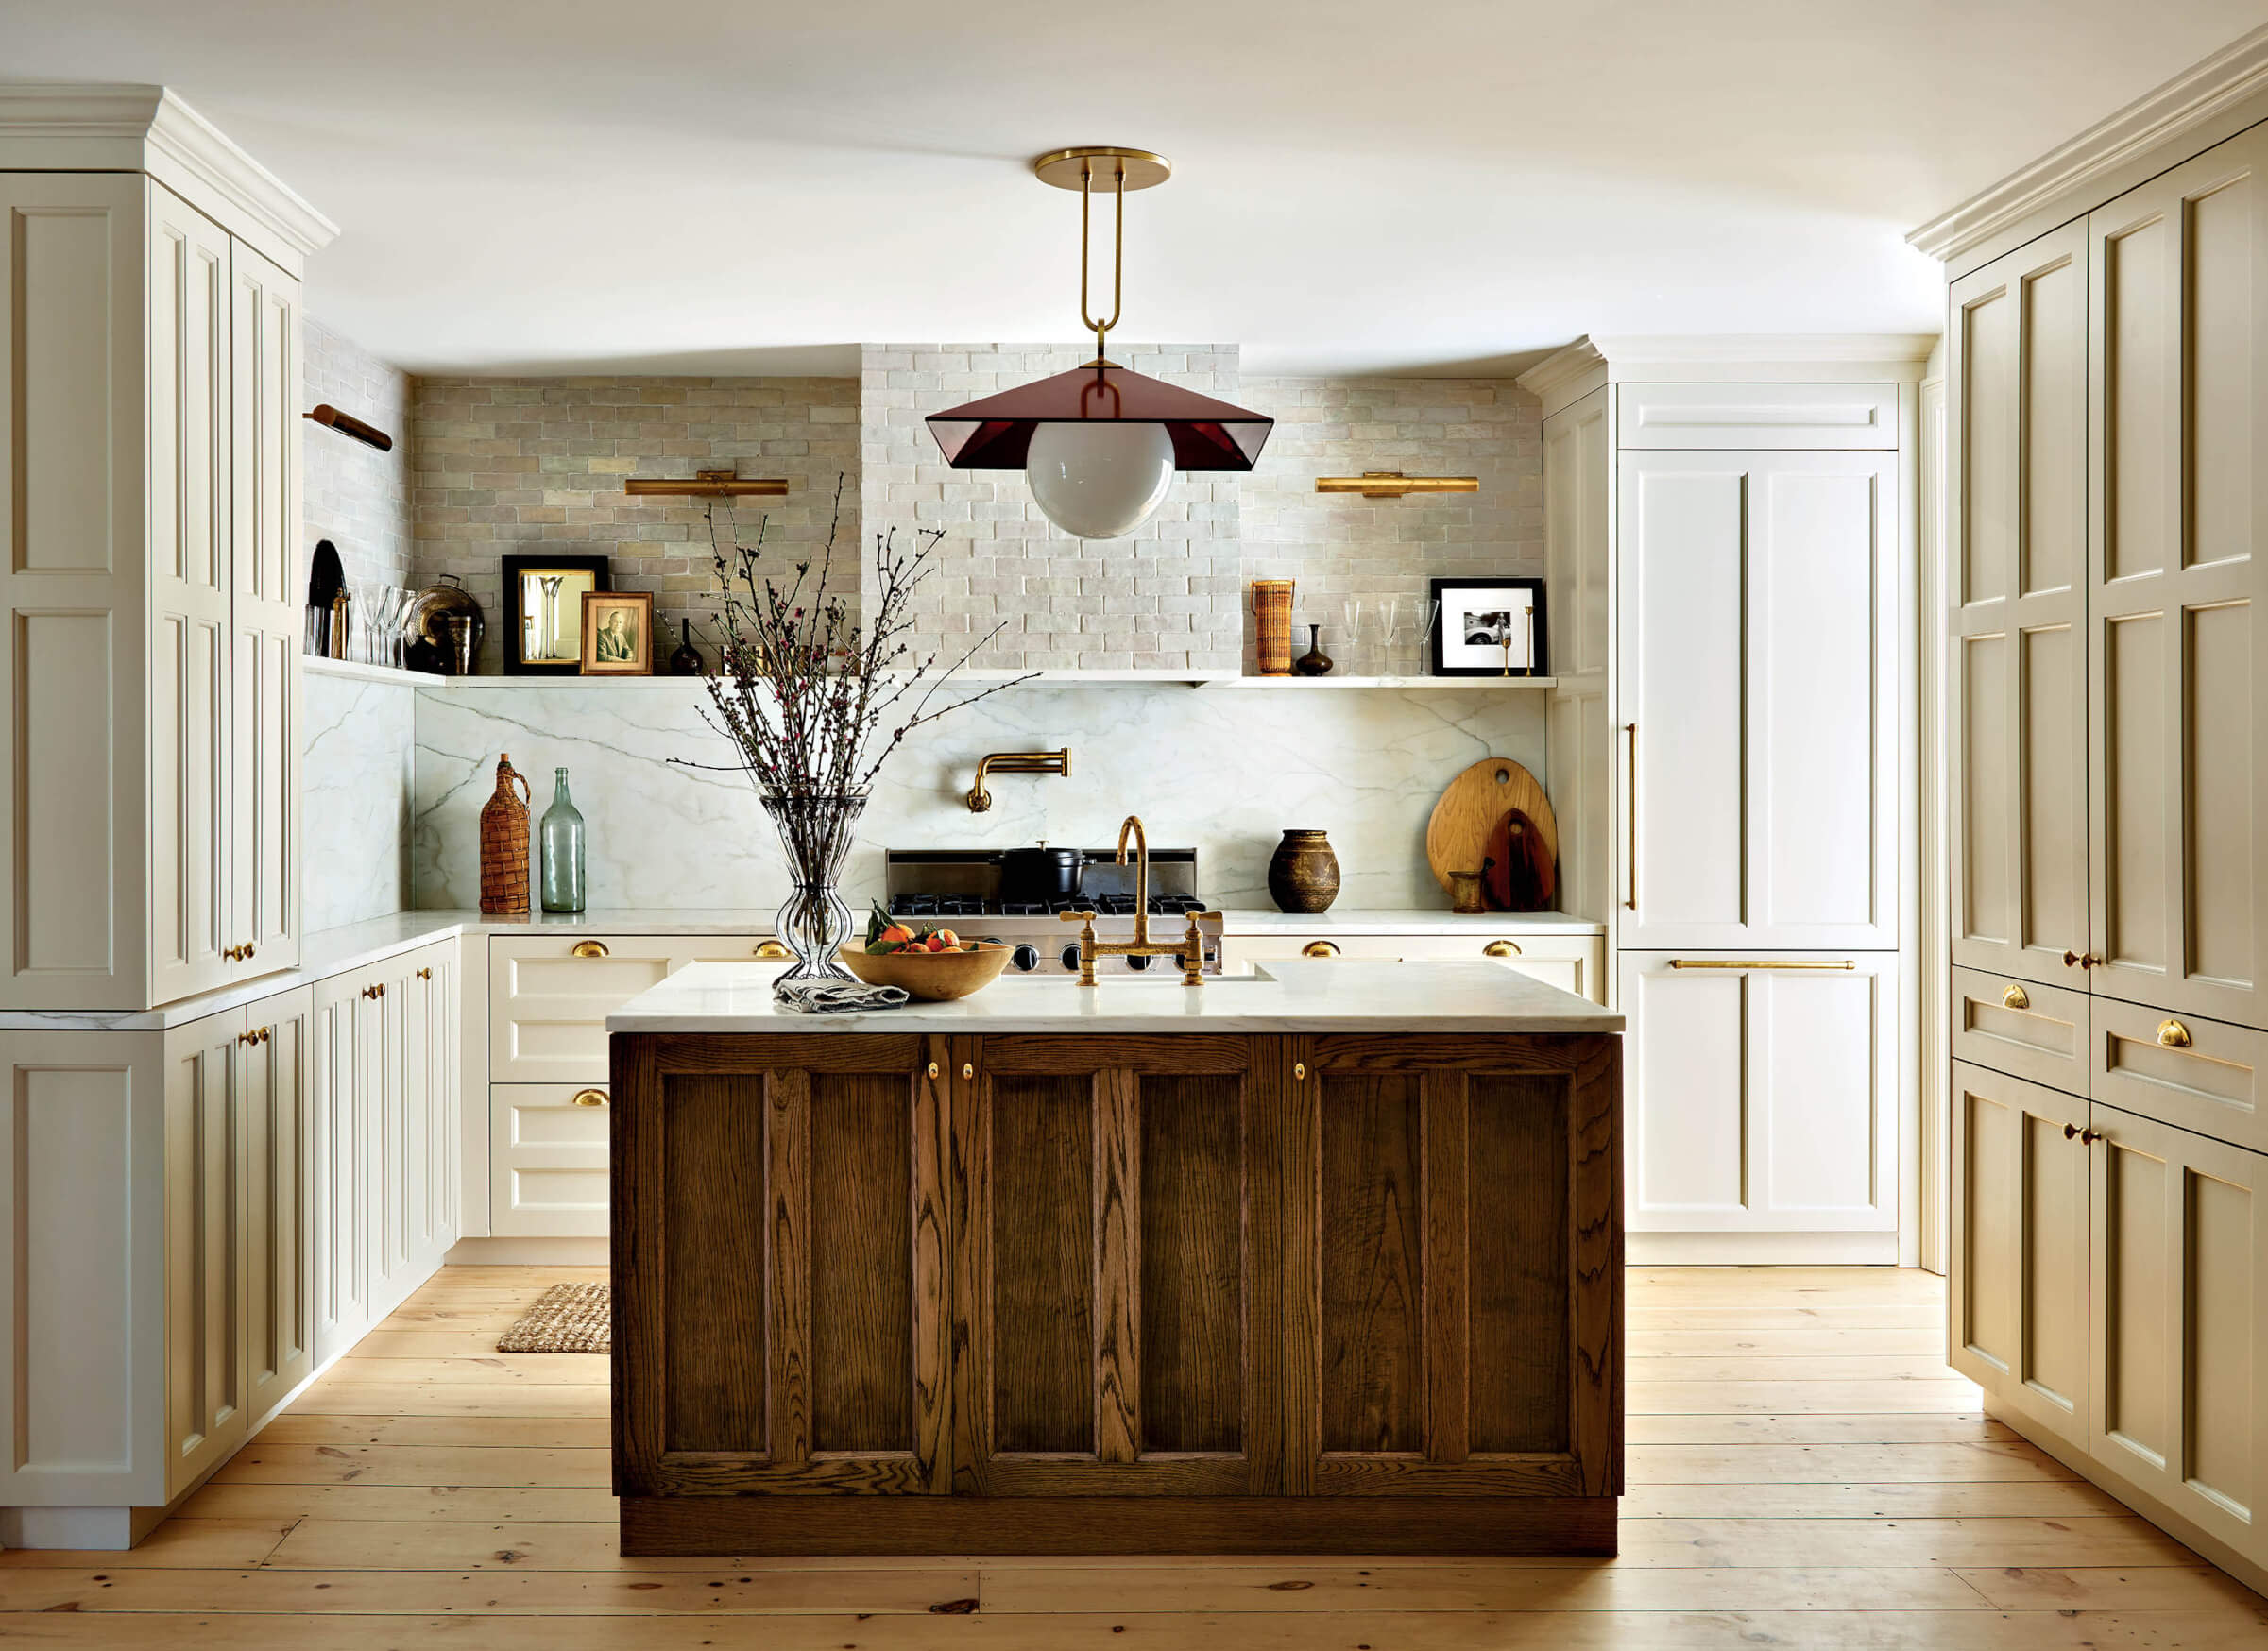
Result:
<point x="206" y="1390"/>
<point x="391" y="1146"/>
<point x="2018" y="1290"/>
<point x="342" y="1255"/>
<point x="2017" y="429"/>
<point x="780" y="1305"/>
<point x="1453" y="1266"/>
<point x="2179" y="618"/>
<point x="436" y="1051"/>
<point x="192" y="683"/>
<point x="1757" y="655"/>
<point x="1762" y="1091"/>
<point x="275" y="1088"/>
<point x="264" y="717"/>
<point x="1116" y="1272"/>
<point x="2180" y="1321"/>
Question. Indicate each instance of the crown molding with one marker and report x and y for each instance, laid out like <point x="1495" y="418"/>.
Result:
<point x="146" y="128"/>
<point x="1557" y="369"/>
<point x="2193" y="97"/>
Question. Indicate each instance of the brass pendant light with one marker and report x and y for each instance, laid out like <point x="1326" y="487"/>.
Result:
<point x="1098" y="444"/>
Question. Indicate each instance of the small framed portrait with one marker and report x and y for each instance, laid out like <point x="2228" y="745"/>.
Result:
<point x="1489" y="627"/>
<point x="543" y="612"/>
<point x="618" y="633"/>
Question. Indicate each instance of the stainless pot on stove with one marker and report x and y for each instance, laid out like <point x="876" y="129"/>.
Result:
<point x="1040" y="874"/>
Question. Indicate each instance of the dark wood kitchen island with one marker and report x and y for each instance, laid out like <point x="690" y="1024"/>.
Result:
<point x="1326" y="1262"/>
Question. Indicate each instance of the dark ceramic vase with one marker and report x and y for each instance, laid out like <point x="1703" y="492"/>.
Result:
<point x="1303" y="876"/>
<point x="1314" y="662"/>
<point x="686" y="661"/>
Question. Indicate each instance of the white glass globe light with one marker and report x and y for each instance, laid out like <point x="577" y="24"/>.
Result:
<point x="1099" y="479"/>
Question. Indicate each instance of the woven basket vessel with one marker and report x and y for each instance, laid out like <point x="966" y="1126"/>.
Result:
<point x="1271" y="613"/>
<point x="505" y="845"/>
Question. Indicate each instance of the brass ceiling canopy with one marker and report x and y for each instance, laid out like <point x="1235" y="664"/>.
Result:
<point x="1072" y="168"/>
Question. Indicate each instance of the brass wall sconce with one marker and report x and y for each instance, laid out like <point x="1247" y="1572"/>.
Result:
<point x="346" y="424"/>
<point x="1394" y="484"/>
<point x="707" y="485"/>
<point x="1014" y="763"/>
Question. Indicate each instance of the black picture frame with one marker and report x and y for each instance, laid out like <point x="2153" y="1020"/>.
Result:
<point x="1443" y="589"/>
<point x="515" y="568"/>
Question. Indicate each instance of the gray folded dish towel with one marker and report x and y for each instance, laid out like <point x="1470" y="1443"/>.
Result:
<point x="836" y="997"/>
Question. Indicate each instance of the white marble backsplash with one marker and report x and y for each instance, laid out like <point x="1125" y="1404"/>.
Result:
<point x="1224" y="771"/>
<point x="355" y="815"/>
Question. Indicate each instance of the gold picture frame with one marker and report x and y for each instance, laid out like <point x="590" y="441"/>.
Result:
<point x="618" y="633"/>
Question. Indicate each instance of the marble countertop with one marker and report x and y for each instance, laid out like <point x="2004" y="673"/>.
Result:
<point x="1295" y="995"/>
<point x="333" y="951"/>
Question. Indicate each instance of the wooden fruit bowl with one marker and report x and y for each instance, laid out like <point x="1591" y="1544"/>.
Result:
<point x="930" y="976"/>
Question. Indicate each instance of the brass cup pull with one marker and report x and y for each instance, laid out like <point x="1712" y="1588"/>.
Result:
<point x="772" y="951"/>
<point x="2172" y="1034"/>
<point x="1501" y="948"/>
<point x="591" y="949"/>
<point x="1320" y="949"/>
<point x="590" y="1098"/>
<point x="2016" y="997"/>
<point x="2069" y="1129"/>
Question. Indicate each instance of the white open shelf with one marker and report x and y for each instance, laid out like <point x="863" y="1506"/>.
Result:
<point x="1301" y="684"/>
<point x="988" y="678"/>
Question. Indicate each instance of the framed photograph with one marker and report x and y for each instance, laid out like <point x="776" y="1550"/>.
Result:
<point x="618" y="633"/>
<point x="1489" y="627"/>
<point x="543" y="612"/>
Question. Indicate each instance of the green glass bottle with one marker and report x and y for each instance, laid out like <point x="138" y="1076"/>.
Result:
<point x="562" y="835"/>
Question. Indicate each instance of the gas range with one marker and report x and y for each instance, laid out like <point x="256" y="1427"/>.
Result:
<point x="959" y="888"/>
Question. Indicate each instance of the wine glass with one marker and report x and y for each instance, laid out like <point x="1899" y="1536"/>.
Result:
<point x="1390" y="612"/>
<point x="1353" y="643"/>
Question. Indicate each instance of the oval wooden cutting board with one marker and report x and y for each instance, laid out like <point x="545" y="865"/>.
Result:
<point x="1457" y="838"/>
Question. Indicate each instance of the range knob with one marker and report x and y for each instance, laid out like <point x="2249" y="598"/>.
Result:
<point x="1026" y="958"/>
<point x="1068" y="956"/>
<point x="1139" y="961"/>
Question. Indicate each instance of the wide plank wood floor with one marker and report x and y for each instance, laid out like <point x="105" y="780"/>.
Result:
<point x="1804" y="1472"/>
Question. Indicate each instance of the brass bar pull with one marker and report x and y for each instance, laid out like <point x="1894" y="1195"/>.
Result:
<point x="590" y="1098"/>
<point x="1763" y="964"/>
<point x="2172" y="1034"/>
<point x="1629" y="804"/>
<point x="591" y="949"/>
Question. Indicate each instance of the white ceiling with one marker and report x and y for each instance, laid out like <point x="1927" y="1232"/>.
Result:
<point x="744" y="185"/>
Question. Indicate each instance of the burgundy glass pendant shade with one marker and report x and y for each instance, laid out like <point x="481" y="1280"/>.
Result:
<point x="996" y="432"/>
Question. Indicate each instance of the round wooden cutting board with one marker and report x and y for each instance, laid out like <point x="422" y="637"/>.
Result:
<point x="1457" y="838"/>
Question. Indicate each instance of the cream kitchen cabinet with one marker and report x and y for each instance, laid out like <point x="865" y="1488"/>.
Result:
<point x="549" y="1161"/>
<point x="275" y="1085"/>
<point x="2018" y="1288"/>
<point x="149" y="556"/>
<point x="1759" y="698"/>
<point x="388" y="1123"/>
<point x="1573" y="962"/>
<point x="1762" y="1105"/>
<point x="2018" y="531"/>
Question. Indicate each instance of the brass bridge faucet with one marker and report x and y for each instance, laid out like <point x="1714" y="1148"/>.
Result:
<point x="1014" y="763"/>
<point x="1189" y="951"/>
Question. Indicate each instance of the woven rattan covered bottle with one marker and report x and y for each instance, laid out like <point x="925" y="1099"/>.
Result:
<point x="504" y="845"/>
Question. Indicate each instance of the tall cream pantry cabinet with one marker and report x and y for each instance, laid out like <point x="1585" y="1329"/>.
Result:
<point x="1729" y="558"/>
<point x="150" y="561"/>
<point x="2107" y="831"/>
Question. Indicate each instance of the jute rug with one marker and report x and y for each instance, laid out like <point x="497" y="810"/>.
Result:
<point x="565" y="1319"/>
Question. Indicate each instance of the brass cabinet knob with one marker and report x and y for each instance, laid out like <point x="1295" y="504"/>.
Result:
<point x="425" y="973"/>
<point x="250" y="948"/>
<point x="2016" y="997"/>
<point x="2072" y="959"/>
<point x="968" y="1069"/>
<point x="590" y="1098"/>
<point x="932" y="1069"/>
<point x="2089" y="1137"/>
<point x="1501" y="948"/>
<point x="772" y="951"/>
<point x="1299" y="1070"/>
<point x="2172" y="1034"/>
<point x="2069" y="1129"/>
<point x="1320" y="949"/>
<point x="266" y="1033"/>
<point x="245" y="1037"/>
<point x="591" y="949"/>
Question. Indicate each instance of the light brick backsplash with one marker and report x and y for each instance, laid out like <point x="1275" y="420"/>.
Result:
<point x="1342" y="548"/>
<point x="350" y="493"/>
<point x="530" y="466"/>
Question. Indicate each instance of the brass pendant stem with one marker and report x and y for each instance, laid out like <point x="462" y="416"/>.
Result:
<point x="1086" y="195"/>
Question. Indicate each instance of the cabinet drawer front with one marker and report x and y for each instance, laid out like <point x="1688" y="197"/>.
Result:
<point x="2197" y="1074"/>
<point x="548" y="1008"/>
<point x="1388" y="948"/>
<point x="1815" y="416"/>
<point x="548" y="1160"/>
<point x="2021" y="1027"/>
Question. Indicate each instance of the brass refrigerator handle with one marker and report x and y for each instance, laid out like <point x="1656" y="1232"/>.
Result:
<point x="1629" y="805"/>
<point x="1763" y="964"/>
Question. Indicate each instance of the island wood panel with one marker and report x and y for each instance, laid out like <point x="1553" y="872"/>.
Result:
<point x="1113" y="1221"/>
<point x="779" y="1267"/>
<point x="1453" y="1257"/>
